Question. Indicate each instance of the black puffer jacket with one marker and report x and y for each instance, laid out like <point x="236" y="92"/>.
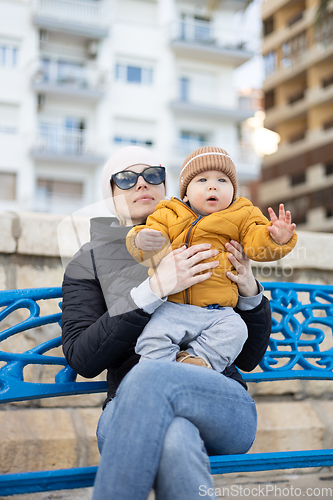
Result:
<point x="101" y="323"/>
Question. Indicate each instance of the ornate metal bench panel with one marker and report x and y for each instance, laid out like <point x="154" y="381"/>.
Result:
<point x="302" y="334"/>
<point x="13" y="387"/>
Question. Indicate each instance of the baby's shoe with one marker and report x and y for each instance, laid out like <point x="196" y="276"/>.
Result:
<point x="185" y="357"/>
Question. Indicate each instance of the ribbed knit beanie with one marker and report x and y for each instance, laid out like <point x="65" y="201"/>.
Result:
<point x="119" y="161"/>
<point x="203" y="159"/>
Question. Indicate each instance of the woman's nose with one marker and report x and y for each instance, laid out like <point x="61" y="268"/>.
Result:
<point x="141" y="184"/>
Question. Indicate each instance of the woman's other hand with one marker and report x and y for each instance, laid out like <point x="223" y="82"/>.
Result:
<point x="247" y="285"/>
<point x="182" y="268"/>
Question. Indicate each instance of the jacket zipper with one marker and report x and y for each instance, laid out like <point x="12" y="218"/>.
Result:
<point x="186" y="243"/>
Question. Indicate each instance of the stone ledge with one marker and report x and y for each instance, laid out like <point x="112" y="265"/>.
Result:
<point x="7" y="240"/>
<point x="45" y="439"/>
<point x="52" y="235"/>
<point x="42" y="234"/>
<point x="42" y="439"/>
<point x="310" y="245"/>
<point x="287" y="426"/>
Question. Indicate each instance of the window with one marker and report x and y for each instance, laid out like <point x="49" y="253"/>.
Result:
<point x="189" y="141"/>
<point x="292" y="51"/>
<point x="7" y="186"/>
<point x="268" y="26"/>
<point x="67" y="139"/>
<point x="60" y="187"/>
<point x="324" y="32"/>
<point x="69" y="72"/>
<point x="4" y="129"/>
<point x="196" y="28"/>
<point x="298" y="179"/>
<point x="329" y="168"/>
<point x="297" y="96"/>
<point x="296" y="18"/>
<point x="323" y="198"/>
<point x="63" y="72"/>
<point x="128" y="141"/>
<point x="326" y="82"/>
<point x="328" y="124"/>
<point x="8" y="55"/>
<point x="202" y="29"/>
<point x="9" y="118"/>
<point x="297" y="137"/>
<point x="298" y="207"/>
<point x="134" y="74"/>
<point x="184" y="89"/>
<point x="55" y="195"/>
<point x="270" y="64"/>
<point x="193" y="136"/>
<point x="269" y="99"/>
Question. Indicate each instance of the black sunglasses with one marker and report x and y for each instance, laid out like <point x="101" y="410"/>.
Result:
<point x="127" y="179"/>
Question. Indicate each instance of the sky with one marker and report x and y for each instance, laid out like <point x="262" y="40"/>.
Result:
<point x="250" y="74"/>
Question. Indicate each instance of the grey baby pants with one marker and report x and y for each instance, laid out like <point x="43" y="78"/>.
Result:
<point x="218" y="335"/>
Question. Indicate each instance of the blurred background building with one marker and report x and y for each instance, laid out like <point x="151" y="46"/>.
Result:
<point x="81" y="78"/>
<point x="298" y="87"/>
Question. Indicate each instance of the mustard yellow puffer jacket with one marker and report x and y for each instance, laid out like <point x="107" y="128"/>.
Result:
<point x="180" y="224"/>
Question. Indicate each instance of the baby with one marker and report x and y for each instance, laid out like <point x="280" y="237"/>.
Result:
<point x="202" y="319"/>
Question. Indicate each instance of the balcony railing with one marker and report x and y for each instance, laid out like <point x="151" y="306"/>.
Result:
<point x="207" y="33"/>
<point x="195" y="31"/>
<point x="56" y="203"/>
<point x="185" y="147"/>
<point x="324" y="33"/>
<point x="66" y="75"/>
<point x="86" y="13"/>
<point x="61" y="141"/>
<point x="244" y="154"/>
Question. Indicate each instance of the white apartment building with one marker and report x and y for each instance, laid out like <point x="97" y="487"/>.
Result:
<point x="81" y="78"/>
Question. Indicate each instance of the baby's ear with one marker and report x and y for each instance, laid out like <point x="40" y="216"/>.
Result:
<point x="185" y="199"/>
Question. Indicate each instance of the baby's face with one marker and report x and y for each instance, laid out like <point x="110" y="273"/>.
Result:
<point x="209" y="192"/>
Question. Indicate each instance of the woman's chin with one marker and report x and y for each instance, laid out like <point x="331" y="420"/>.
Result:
<point x="142" y="211"/>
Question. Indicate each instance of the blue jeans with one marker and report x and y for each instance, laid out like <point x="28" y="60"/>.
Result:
<point x="157" y="431"/>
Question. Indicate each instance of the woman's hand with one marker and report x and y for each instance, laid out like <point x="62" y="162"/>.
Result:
<point x="182" y="268"/>
<point x="247" y="285"/>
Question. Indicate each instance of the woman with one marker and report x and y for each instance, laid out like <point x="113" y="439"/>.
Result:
<point x="162" y="419"/>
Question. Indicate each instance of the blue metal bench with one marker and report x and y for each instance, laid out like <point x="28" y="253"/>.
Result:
<point x="300" y="314"/>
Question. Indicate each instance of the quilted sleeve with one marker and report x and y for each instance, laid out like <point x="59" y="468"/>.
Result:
<point x="158" y="221"/>
<point x="257" y="242"/>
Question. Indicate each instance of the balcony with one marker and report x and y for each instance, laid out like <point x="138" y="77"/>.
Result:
<point x="184" y="147"/>
<point x="203" y="111"/>
<point x="87" y="18"/>
<point x="59" y="77"/>
<point x="314" y="96"/>
<point x="304" y="57"/>
<point x="244" y="156"/>
<point x="284" y="34"/>
<point x="269" y="7"/>
<point x="313" y="139"/>
<point x="65" y="145"/>
<point x="205" y="40"/>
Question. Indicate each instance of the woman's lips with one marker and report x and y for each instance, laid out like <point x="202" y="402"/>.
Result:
<point x="144" y="198"/>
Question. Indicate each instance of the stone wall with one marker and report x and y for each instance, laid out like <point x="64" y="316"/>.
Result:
<point x="60" y="432"/>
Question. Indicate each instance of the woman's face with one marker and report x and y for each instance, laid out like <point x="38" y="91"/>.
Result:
<point x="135" y="204"/>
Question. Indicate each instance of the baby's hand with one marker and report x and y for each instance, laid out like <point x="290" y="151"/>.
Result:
<point x="282" y="229"/>
<point x="149" y="240"/>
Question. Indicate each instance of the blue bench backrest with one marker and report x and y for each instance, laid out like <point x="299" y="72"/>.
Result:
<point x="302" y="315"/>
<point x="13" y="387"/>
